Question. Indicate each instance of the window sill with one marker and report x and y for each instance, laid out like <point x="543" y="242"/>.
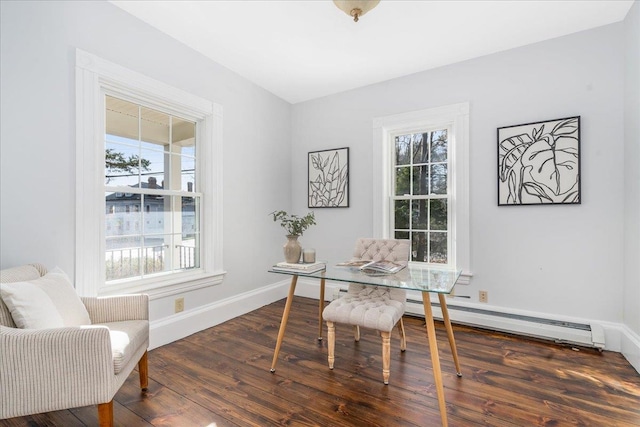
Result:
<point x="164" y="286"/>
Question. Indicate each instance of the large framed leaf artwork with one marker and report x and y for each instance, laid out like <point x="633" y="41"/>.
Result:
<point x="539" y="163"/>
<point x="328" y="173"/>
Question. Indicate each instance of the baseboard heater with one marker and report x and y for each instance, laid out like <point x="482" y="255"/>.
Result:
<point x="562" y="332"/>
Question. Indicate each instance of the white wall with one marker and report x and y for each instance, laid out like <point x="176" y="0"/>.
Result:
<point x="38" y="42"/>
<point x="561" y="260"/>
<point x="632" y="177"/>
<point x="556" y="260"/>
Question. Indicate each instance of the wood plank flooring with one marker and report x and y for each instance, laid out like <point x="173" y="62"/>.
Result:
<point x="220" y="377"/>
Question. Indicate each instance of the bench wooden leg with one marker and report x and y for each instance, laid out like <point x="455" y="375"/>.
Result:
<point x="331" y="343"/>
<point x="105" y="414"/>
<point x="386" y="355"/>
<point x="143" y="370"/>
<point x="403" y="337"/>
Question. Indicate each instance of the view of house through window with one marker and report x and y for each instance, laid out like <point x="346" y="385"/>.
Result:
<point x="152" y="217"/>
<point x="421" y="194"/>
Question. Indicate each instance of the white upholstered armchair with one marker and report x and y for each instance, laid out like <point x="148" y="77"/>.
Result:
<point x="43" y="370"/>
<point x="374" y="307"/>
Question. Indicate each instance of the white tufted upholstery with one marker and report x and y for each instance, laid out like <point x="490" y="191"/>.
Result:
<point x="373" y="307"/>
<point x="369" y="307"/>
<point x="382" y="249"/>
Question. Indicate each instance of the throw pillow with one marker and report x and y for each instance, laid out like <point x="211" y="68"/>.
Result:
<point x="49" y="301"/>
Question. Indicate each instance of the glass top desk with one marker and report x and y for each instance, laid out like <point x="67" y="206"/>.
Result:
<point x="427" y="280"/>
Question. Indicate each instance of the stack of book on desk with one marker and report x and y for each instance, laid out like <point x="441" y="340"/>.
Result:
<point x="301" y="268"/>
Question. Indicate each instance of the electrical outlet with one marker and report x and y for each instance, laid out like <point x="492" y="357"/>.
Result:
<point x="483" y="296"/>
<point x="179" y="304"/>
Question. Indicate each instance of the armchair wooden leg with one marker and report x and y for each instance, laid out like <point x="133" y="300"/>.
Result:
<point x="386" y="355"/>
<point x="331" y="343"/>
<point x="403" y="337"/>
<point x="143" y="370"/>
<point x="105" y="414"/>
<point x="356" y="333"/>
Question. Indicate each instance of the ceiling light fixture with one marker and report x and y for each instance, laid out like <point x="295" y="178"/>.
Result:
<point x="356" y="8"/>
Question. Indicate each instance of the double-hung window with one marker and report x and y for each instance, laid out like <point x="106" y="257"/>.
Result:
<point x="152" y="192"/>
<point x="148" y="184"/>
<point x="421" y="183"/>
<point x="421" y="195"/>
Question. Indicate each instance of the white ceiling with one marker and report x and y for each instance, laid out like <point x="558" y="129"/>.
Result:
<point x="301" y="50"/>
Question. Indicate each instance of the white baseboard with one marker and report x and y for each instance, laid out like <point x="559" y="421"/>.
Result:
<point x="181" y="325"/>
<point x="609" y="336"/>
<point x="630" y="347"/>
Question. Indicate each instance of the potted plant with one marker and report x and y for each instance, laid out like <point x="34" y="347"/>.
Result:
<point x="295" y="226"/>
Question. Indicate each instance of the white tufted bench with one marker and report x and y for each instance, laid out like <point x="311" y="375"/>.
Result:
<point x="373" y="307"/>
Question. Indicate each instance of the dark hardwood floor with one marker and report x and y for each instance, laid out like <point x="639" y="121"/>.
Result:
<point x="220" y="377"/>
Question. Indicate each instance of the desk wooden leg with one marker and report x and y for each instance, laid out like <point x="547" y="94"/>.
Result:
<point x="435" y="358"/>
<point x="283" y="322"/>
<point x="320" y="309"/>
<point x="452" y="340"/>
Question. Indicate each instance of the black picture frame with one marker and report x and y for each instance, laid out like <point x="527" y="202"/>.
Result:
<point x="539" y="163"/>
<point x="328" y="178"/>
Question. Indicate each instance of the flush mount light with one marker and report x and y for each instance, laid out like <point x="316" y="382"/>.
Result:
<point x="356" y="8"/>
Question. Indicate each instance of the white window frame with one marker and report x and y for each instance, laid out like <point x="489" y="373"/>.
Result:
<point x="96" y="77"/>
<point x="454" y="117"/>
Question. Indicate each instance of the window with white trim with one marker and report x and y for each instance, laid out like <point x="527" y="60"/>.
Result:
<point x="421" y="193"/>
<point x="149" y="171"/>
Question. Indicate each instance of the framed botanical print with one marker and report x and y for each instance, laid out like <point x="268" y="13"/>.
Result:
<point x="328" y="177"/>
<point x="539" y="163"/>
